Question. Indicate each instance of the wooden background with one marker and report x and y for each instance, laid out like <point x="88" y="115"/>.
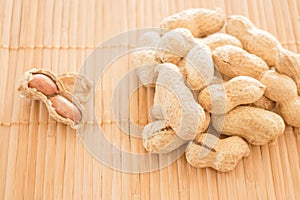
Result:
<point x="41" y="159"/>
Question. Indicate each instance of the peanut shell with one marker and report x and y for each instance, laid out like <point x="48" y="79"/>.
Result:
<point x="174" y="45"/>
<point x="283" y="90"/>
<point x="254" y="40"/>
<point x="221" y="98"/>
<point x="288" y="63"/>
<point x="233" y="61"/>
<point x="219" y="39"/>
<point x="29" y="92"/>
<point x="223" y="155"/>
<point x="199" y="21"/>
<point x="199" y="67"/>
<point x="257" y="126"/>
<point x="77" y="84"/>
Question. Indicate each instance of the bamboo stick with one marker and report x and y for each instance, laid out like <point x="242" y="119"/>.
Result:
<point x="212" y="183"/>
<point x="287" y="175"/>
<point x="30" y="176"/>
<point x="259" y="175"/>
<point x="280" y="25"/>
<point x="203" y="183"/>
<point x="268" y="171"/>
<point x="277" y="171"/>
<point x="173" y="181"/>
<point x="287" y="19"/>
<point x="294" y="158"/>
<point x="249" y="177"/>
<point x="223" y="189"/>
<point x="42" y="135"/>
<point x="78" y="169"/>
<point x="107" y="189"/>
<point x="194" y="186"/>
<point x="19" y="152"/>
<point x="6" y="22"/>
<point x="231" y="185"/>
<point x="59" y="161"/>
<point x="68" y="61"/>
<point x="295" y="23"/>
<point x="117" y="179"/>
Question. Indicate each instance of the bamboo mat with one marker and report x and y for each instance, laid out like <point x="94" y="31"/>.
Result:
<point x="41" y="159"/>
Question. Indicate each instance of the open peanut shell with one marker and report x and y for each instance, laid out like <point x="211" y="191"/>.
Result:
<point x="34" y="93"/>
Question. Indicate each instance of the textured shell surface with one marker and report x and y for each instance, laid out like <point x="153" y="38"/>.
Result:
<point x="288" y="63"/>
<point x="159" y="139"/>
<point x="279" y="87"/>
<point x="256" y="125"/>
<point x="221" y="98"/>
<point x="63" y="91"/>
<point x="184" y="114"/>
<point x="174" y="45"/>
<point x="199" y="21"/>
<point x="233" y="61"/>
<point x="199" y="67"/>
<point x="223" y="155"/>
<point x="220" y="39"/>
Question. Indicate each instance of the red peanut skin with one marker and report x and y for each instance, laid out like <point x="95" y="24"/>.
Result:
<point x="43" y="84"/>
<point x="66" y="108"/>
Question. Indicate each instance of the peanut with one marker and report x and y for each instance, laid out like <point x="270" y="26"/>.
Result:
<point x="176" y="103"/>
<point x="43" y="84"/>
<point x="199" y="21"/>
<point x="264" y="103"/>
<point x="288" y="63"/>
<point x="199" y="67"/>
<point x="254" y="40"/>
<point x="145" y="61"/>
<point x="233" y="61"/>
<point x="283" y="90"/>
<point x="159" y="138"/>
<point x="223" y="155"/>
<point x="219" y="39"/>
<point x="221" y="98"/>
<point x="257" y="126"/>
<point x="65" y="108"/>
<point x="181" y="66"/>
<point x="68" y="86"/>
<point x="174" y="45"/>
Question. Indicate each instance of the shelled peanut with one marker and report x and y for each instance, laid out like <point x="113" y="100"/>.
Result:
<point x="251" y="104"/>
<point x="43" y="84"/>
<point x="63" y="105"/>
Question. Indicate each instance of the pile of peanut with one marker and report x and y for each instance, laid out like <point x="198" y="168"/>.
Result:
<point x="241" y="84"/>
<point x="63" y="102"/>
